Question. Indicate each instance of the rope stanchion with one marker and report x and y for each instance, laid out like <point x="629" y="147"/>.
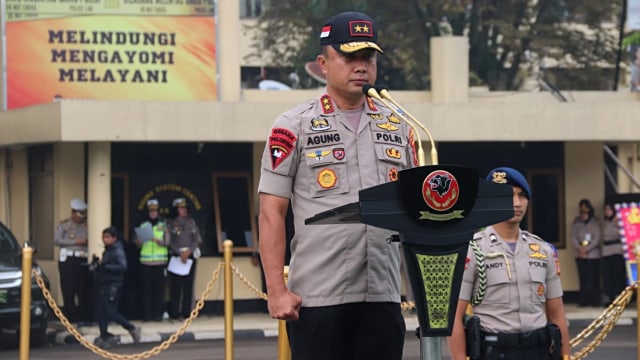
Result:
<point x="228" y="300"/>
<point x="284" y="350"/>
<point x="25" y="302"/>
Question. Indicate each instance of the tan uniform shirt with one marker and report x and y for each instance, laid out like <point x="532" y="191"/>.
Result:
<point x="66" y="234"/>
<point x="185" y="233"/>
<point x="589" y="232"/>
<point x="610" y="233"/>
<point x="316" y="158"/>
<point x="518" y="282"/>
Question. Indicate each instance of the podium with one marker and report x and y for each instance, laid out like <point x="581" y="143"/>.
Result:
<point x="435" y="210"/>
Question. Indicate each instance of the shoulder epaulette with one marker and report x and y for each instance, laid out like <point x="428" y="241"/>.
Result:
<point x="531" y="236"/>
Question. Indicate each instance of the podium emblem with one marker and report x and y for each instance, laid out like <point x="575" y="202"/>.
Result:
<point x="438" y="194"/>
<point x="440" y="190"/>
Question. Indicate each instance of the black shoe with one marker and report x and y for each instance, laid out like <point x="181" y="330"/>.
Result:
<point x="136" y="333"/>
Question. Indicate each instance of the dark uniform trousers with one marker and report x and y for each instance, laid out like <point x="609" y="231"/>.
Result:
<point x="75" y="283"/>
<point x="181" y="293"/>
<point x="152" y="291"/>
<point x="353" y="331"/>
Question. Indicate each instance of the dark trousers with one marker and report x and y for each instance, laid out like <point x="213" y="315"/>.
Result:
<point x="152" y="291"/>
<point x="348" y="332"/>
<point x="181" y="293"/>
<point x="107" y="309"/>
<point x="589" y="274"/>
<point x="75" y="287"/>
<point x="614" y="275"/>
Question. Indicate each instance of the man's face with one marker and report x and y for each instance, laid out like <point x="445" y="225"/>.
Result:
<point x="182" y="211"/>
<point x="153" y="213"/>
<point x="108" y="239"/>
<point x="520" y="204"/>
<point x="78" y="216"/>
<point x="347" y="73"/>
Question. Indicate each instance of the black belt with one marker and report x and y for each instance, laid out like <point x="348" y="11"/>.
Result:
<point x="611" y="242"/>
<point x="528" y="339"/>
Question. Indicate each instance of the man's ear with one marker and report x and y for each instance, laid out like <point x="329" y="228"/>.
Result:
<point x="322" y="63"/>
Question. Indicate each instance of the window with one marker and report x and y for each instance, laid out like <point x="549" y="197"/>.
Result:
<point x="234" y="212"/>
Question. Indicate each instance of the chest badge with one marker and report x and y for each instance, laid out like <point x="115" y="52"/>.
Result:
<point x="338" y="153"/>
<point x="320" y="124"/>
<point x="536" y="254"/>
<point x="318" y="154"/>
<point x="327" y="178"/>
<point x="387" y="126"/>
<point x="540" y="290"/>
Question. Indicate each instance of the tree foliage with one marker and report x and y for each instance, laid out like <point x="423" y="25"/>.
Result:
<point x="509" y="39"/>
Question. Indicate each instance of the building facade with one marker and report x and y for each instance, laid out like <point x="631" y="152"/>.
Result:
<point x="118" y="153"/>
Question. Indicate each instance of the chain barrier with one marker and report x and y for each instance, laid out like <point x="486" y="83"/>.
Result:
<point x="246" y="281"/>
<point x="143" y="355"/>
<point x="609" y="318"/>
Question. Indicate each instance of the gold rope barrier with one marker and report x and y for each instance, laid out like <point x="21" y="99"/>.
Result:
<point x="25" y="302"/>
<point x="228" y="301"/>
<point x="143" y="355"/>
<point x="607" y="320"/>
<point x="284" y="350"/>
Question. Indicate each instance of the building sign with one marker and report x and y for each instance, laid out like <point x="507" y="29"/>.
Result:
<point x="633" y="14"/>
<point x="629" y="222"/>
<point x="110" y="50"/>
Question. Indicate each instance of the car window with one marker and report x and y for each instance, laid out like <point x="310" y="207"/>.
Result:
<point x="8" y="243"/>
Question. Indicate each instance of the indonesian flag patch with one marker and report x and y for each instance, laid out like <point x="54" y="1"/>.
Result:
<point x="326" y="30"/>
<point x="281" y="143"/>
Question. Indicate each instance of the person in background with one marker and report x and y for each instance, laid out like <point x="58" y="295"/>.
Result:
<point x="520" y="310"/>
<point x="154" y="254"/>
<point x="614" y="273"/>
<point x="184" y="245"/>
<point x="109" y="276"/>
<point x="343" y="296"/>
<point x="586" y="235"/>
<point x="71" y="237"/>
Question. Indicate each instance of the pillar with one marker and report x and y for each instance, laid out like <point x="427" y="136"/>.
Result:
<point x="98" y="194"/>
<point x="228" y="37"/>
<point x="449" y="69"/>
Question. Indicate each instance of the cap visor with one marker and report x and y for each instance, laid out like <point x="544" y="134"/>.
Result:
<point x="351" y="47"/>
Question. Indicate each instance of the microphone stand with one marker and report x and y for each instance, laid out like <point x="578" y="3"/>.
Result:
<point x="430" y="347"/>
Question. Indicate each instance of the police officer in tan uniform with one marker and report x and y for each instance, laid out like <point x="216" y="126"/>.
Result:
<point x="512" y="283"/>
<point x="343" y="295"/>
<point x="184" y="245"/>
<point x="71" y="237"/>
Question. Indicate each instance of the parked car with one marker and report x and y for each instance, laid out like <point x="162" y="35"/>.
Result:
<point x="10" y="292"/>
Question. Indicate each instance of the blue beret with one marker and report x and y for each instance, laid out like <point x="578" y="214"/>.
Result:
<point x="509" y="176"/>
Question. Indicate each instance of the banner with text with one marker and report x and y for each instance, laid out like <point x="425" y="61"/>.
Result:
<point x="111" y="58"/>
<point x="629" y="224"/>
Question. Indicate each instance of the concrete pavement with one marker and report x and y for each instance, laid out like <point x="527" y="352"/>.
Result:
<point x="210" y="327"/>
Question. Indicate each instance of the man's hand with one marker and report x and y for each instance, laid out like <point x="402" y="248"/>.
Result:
<point x="582" y="252"/>
<point x="81" y="242"/>
<point x="284" y="305"/>
<point x="184" y="256"/>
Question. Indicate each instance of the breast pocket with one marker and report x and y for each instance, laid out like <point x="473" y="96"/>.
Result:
<point x="498" y="286"/>
<point x="327" y="171"/>
<point x="538" y="284"/>
<point x="391" y="152"/>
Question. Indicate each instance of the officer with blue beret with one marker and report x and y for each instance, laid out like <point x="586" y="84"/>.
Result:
<point x="512" y="283"/>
